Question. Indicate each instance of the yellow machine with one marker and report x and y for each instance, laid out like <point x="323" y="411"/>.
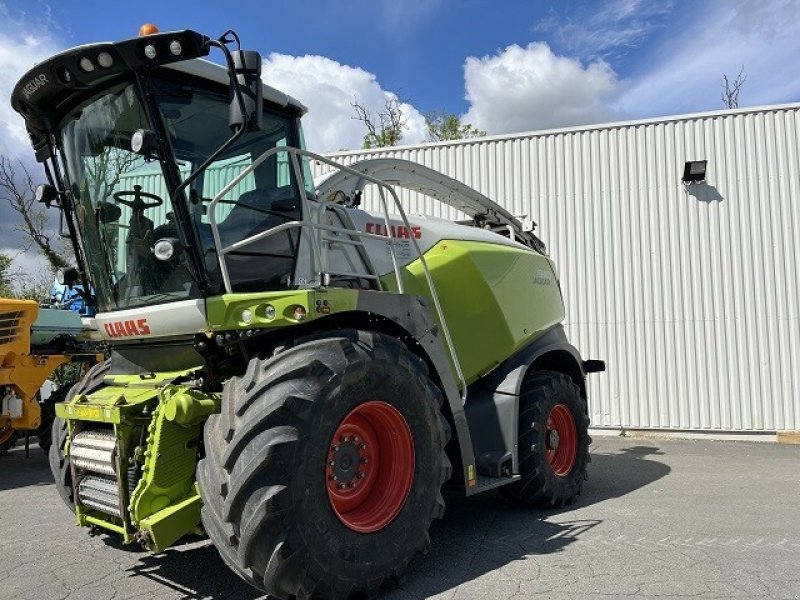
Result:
<point x="27" y="358"/>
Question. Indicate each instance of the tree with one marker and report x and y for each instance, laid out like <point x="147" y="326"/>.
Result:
<point x="387" y="129"/>
<point x="443" y="126"/>
<point x="731" y="89"/>
<point x="6" y="276"/>
<point x="19" y="191"/>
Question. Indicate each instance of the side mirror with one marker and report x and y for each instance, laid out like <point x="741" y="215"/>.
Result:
<point x="247" y="72"/>
<point x="144" y="142"/>
<point x="108" y="212"/>
<point x="46" y="193"/>
<point x="67" y="276"/>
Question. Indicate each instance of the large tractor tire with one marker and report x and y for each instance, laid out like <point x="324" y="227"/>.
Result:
<point x="48" y="408"/>
<point x="553" y="442"/>
<point x="59" y="461"/>
<point x="8" y="437"/>
<point x="324" y="468"/>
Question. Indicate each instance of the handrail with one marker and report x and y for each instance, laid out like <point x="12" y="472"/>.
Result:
<point x="318" y="228"/>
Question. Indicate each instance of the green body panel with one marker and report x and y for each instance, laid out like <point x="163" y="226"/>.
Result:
<point x="495" y="298"/>
<point x="157" y="425"/>
<point x="170" y="455"/>
<point x="170" y="524"/>
<point x="225" y="312"/>
<point x="122" y="397"/>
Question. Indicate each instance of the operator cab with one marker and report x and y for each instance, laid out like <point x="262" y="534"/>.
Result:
<point x="138" y="137"/>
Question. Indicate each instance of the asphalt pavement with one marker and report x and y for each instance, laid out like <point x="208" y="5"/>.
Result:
<point x="658" y="518"/>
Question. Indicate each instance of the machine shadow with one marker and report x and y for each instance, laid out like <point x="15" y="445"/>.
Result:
<point x="476" y="536"/>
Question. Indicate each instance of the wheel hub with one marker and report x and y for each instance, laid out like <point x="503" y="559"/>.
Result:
<point x="561" y="440"/>
<point x="346" y="463"/>
<point x="370" y="467"/>
<point x="552" y="439"/>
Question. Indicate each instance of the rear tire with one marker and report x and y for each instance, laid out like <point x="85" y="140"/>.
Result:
<point x="8" y="438"/>
<point x="267" y="480"/>
<point x="553" y="442"/>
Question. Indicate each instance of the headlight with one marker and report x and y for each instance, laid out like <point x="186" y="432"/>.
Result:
<point x="164" y="249"/>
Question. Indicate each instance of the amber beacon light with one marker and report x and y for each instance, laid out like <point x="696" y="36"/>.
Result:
<point x="147" y="29"/>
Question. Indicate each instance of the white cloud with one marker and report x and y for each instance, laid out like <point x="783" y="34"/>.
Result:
<point x="528" y="88"/>
<point x="686" y="71"/>
<point x="328" y="88"/>
<point x="611" y="28"/>
<point x="20" y="49"/>
<point x="27" y="268"/>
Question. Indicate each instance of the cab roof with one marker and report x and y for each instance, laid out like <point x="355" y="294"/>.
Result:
<point x="54" y="86"/>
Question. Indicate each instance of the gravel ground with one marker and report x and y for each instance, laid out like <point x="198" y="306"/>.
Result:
<point x="661" y="518"/>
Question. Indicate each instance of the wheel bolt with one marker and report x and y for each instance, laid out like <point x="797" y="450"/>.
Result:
<point x="342" y="486"/>
<point x="334" y="478"/>
<point x="364" y="461"/>
<point x="361" y="475"/>
<point x="332" y="463"/>
<point x="363" y="446"/>
<point x="336" y="448"/>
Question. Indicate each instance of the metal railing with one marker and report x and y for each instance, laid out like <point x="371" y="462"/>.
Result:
<point x="318" y="235"/>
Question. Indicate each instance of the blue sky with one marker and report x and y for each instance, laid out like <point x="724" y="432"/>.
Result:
<point x="506" y="66"/>
<point x="503" y="66"/>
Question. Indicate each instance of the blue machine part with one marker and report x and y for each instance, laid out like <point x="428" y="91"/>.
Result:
<point x="70" y="298"/>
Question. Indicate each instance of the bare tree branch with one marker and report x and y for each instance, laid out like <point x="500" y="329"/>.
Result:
<point x="19" y="191"/>
<point x="731" y="89"/>
<point x="387" y="130"/>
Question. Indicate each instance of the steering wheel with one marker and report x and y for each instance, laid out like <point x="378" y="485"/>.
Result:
<point x="137" y="203"/>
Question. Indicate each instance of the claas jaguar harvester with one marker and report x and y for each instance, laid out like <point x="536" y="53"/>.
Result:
<point x="291" y="374"/>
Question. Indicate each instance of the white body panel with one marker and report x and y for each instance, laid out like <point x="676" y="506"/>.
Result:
<point x="428" y="232"/>
<point x="690" y="293"/>
<point x="171" y="319"/>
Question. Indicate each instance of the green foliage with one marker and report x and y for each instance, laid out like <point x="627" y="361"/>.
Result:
<point x="67" y="374"/>
<point x="6" y="277"/>
<point x="384" y="130"/>
<point x="443" y="126"/>
<point x="387" y="137"/>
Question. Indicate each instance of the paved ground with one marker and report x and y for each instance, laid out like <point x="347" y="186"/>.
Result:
<point x="657" y="518"/>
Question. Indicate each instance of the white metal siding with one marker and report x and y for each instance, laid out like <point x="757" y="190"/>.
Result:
<point x="689" y="293"/>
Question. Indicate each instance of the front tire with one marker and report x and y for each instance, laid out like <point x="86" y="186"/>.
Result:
<point x="48" y="408"/>
<point x="59" y="460"/>
<point x="291" y="424"/>
<point x="553" y="442"/>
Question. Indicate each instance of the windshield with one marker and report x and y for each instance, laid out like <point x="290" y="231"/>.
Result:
<point x="197" y="123"/>
<point x="122" y="204"/>
<point x="123" y="201"/>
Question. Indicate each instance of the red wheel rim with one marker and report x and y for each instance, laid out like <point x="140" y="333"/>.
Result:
<point x="370" y="467"/>
<point x="561" y="440"/>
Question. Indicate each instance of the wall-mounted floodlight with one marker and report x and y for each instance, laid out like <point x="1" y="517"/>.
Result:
<point x="694" y="171"/>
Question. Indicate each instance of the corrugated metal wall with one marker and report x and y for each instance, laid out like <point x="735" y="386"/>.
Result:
<point x="690" y="293"/>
